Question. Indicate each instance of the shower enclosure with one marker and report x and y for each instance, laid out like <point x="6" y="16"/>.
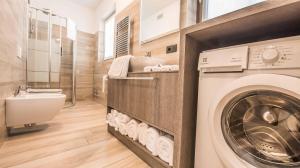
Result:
<point x="51" y="55"/>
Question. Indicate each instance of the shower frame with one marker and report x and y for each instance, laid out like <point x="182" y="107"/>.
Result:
<point x="74" y="42"/>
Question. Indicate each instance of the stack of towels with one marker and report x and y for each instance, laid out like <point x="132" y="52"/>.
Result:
<point x="158" y="144"/>
<point x="161" y="68"/>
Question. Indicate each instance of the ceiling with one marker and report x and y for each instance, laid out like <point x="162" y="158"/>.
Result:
<point x="88" y="3"/>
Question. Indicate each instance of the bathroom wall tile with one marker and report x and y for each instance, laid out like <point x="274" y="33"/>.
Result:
<point x="12" y="36"/>
<point x="86" y="54"/>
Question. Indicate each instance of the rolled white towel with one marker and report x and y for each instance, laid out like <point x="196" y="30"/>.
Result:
<point x="166" y="68"/>
<point x="121" y="119"/>
<point x="174" y="67"/>
<point x="114" y="116"/>
<point x="123" y="128"/>
<point x="151" y="140"/>
<point x="142" y="130"/>
<point x="157" y="68"/>
<point x="148" y="69"/>
<point x="132" y="131"/>
<point x="165" y="149"/>
<point x="109" y="119"/>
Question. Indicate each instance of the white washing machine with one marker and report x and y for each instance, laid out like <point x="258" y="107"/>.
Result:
<point x="249" y="106"/>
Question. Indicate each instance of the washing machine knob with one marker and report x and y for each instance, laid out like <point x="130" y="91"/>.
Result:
<point x="270" y="55"/>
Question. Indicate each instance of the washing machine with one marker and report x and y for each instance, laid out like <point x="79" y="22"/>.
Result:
<point x="249" y="106"/>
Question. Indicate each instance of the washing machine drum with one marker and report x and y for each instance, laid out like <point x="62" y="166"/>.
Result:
<point x="263" y="128"/>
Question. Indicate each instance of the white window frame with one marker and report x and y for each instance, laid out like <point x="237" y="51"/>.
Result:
<point x="111" y="56"/>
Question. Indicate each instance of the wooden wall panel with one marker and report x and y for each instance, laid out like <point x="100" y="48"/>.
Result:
<point x="12" y="69"/>
<point x="86" y="55"/>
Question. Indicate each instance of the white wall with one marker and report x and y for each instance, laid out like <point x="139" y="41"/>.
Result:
<point x="83" y="16"/>
<point x="104" y="10"/>
<point x="122" y="4"/>
<point x="106" y="7"/>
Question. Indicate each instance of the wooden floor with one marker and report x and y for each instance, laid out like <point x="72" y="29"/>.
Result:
<point x="76" y="137"/>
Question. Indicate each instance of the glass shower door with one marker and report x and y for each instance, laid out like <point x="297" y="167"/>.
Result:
<point x="38" y="62"/>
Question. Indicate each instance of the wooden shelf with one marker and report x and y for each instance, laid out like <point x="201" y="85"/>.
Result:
<point x="141" y="120"/>
<point x="148" y="123"/>
<point x="264" y="21"/>
<point x="139" y="150"/>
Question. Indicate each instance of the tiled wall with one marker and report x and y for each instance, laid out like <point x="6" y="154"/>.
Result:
<point x="86" y="53"/>
<point x="12" y="35"/>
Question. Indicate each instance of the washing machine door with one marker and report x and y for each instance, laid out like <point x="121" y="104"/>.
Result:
<point x="255" y="122"/>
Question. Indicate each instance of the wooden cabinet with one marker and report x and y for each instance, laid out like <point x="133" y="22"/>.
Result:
<point x="149" y="97"/>
<point x="135" y="97"/>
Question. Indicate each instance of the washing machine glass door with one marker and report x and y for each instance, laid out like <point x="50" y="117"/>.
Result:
<point x="263" y="128"/>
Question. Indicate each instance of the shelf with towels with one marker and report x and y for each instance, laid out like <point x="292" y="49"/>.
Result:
<point x="139" y="149"/>
<point x="151" y="101"/>
<point x="147" y="122"/>
<point x="160" y="144"/>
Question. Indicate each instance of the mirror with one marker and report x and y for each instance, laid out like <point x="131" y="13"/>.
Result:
<point x="215" y="8"/>
<point x="164" y="13"/>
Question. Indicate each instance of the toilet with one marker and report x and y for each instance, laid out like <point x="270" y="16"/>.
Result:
<point x="32" y="107"/>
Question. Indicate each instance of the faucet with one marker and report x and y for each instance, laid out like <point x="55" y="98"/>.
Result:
<point x="148" y="54"/>
<point x="17" y="91"/>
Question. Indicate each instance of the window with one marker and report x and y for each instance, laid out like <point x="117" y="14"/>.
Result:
<point x="215" y="8"/>
<point x="109" y="34"/>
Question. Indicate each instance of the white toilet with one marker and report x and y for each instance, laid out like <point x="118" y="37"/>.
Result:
<point x="29" y="108"/>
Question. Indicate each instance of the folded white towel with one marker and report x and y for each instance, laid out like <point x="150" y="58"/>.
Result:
<point x="165" y="149"/>
<point x="148" y="69"/>
<point x="156" y="68"/>
<point x="151" y="140"/>
<point x="142" y="130"/>
<point x="174" y="67"/>
<point x="119" y="67"/>
<point x="161" y="68"/>
<point x="132" y="130"/>
<point x="166" y="68"/>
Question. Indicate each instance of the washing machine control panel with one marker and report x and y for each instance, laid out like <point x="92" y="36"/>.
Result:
<point x="270" y="55"/>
